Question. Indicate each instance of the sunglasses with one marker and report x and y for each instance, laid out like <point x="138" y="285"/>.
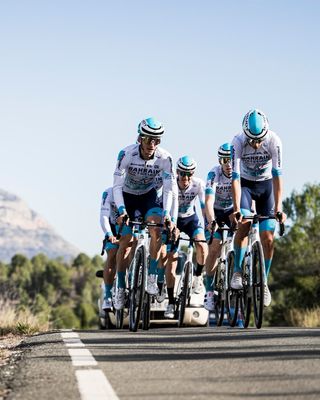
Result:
<point x="185" y="173"/>
<point x="255" y="141"/>
<point x="150" y="139"/>
<point x="225" y="160"/>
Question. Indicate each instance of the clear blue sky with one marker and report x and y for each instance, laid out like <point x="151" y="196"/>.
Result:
<point x="76" y="77"/>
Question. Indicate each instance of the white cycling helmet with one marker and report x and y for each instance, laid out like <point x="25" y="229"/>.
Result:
<point x="255" y="125"/>
<point x="186" y="164"/>
<point x="150" y="127"/>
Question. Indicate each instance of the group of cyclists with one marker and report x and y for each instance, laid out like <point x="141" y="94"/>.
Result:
<point x="246" y="179"/>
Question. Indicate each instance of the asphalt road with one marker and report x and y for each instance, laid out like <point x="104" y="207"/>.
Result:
<point x="170" y="363"/>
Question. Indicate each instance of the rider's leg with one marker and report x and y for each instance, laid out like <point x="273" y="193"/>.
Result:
<point x="110" y="269"/>
<point x="267" y="229"/>
<point x="171" y="267"/>
<point x="214" y="251"/>
<point x="202" y="253"/>
<point x="123" y="258"/>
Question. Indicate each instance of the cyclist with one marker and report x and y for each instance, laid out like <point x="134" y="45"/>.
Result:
<point x="218" y="209"/>
<point x="135" y="189"/>
<point x="108" y="217"/>
<point x="189" y="188"/>
<point x="257" y="170"/>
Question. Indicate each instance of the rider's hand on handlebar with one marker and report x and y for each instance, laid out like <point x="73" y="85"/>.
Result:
<point x="123" y="219"/>
<point x="212" y="226"/>
<point x="235" y="219"/>
<point x="280" y="216"/>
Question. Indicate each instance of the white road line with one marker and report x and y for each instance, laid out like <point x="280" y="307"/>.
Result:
<point x="93" y="385"/>
<point x="81" y="357"/>
<point x="72" y="339"/>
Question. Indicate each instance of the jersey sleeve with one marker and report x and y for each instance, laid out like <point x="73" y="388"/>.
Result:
<point x="118" y="179"/>
<point x="168" y="183"/>
<point x="276" y="157"/>
<point x="201" y="194"/>
<point x="105" y="212"/>
<point x="236" y="149"/>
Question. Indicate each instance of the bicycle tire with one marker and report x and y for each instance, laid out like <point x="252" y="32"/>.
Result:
<point x="119" y="318"/>
<point x="219" y="300"/>
<point x="137" y="289"/>
<point x="258" y="274"/>
<point x="246" y="296"/>
<point x="232" y="297"/>
<point x="145" y="318"/>
<point x="184" y="294"/>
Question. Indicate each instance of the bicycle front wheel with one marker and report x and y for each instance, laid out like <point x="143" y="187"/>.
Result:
<point x="137" y="288"/>
<point x="146" y="312"/>
<point x="258" y="274"/>
<point x="119" y="318"/>
<point x="184" y="293"/>
<point x="232" y="297"/>
<point x="246" y="297"/>
<point x="219" y="295"/>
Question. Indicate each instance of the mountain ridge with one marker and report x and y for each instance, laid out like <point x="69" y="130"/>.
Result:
<point x="24" y="231"/>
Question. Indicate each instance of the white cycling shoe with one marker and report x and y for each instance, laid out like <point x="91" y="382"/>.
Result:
<point x="107" y="304"/>
<point x="209" y="301"/>
<point x="119" y="298"/>
<point x="236" y="281"/>
<point x="161" y="296"/>
<point x="169" y="312"/>
<point x="267" y="296"/>
<point x="152" y="286"/>
<point x="198" y="284"/>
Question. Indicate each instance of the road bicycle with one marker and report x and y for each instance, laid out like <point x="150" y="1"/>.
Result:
<point x="253" y="276"/>
<point x="139" y="299"/>
<point x="221" y="274"/>
<point x="184" y="287"/>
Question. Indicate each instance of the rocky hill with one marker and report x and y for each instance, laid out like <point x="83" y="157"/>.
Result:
<point x="23" y="231"/>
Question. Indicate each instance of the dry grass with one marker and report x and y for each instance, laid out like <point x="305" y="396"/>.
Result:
<point x="20" y="322"/>
<point x="309" y="318"/>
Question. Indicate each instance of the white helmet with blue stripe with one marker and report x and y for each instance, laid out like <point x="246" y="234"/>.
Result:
<point x="224" y="151"/>
<point x="186" y="164"/>
<point x="150" y="127"/>
<point x="255" y="125"/>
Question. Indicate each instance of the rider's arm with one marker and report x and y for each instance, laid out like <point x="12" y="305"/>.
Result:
<point x="168" y="185"/>
<point x="201" y="195"/>
<point x="118" y="180"/>
<point x="235" y="186"/>
<point x="175" y="202"/>
<point x="210" y="194"/>
<point x="277" y="172"/>
<point x="105" y="212"/>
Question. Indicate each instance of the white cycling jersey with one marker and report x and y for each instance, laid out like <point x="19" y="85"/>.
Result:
<point x="187" y="197"/>
<point x="108" y="211"/>
<point x="175" y="201"/>
<point x="256" y="164"/>
<point x="137" y="176"/>
<point x="219" y="185"/>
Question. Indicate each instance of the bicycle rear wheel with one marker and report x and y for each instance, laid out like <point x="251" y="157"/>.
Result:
<point x="146" y="312"/>
<point x="232" y="297"/>
<point x="184" y="293"/>
<point x="258" y="283"/>
<point x="219" y="296"/>
<point x="137" y="288"/>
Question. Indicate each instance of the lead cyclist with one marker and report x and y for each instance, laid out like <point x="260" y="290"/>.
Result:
<point x="257" y="175"/>
<point x="134" y="189"/>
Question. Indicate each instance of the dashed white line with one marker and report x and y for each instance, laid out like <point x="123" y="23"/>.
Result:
<point x="82" y="357"/>
<point x="93" y="385"/>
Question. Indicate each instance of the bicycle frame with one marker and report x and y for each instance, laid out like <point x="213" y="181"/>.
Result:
<point x="222" y="263"/>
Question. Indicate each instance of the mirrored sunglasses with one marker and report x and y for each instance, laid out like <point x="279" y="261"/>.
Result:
<point x="254" y="141"/>
<point x="225" y="160"/>
<point x="150" y="139"/>
<point x="185" y="173"/>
